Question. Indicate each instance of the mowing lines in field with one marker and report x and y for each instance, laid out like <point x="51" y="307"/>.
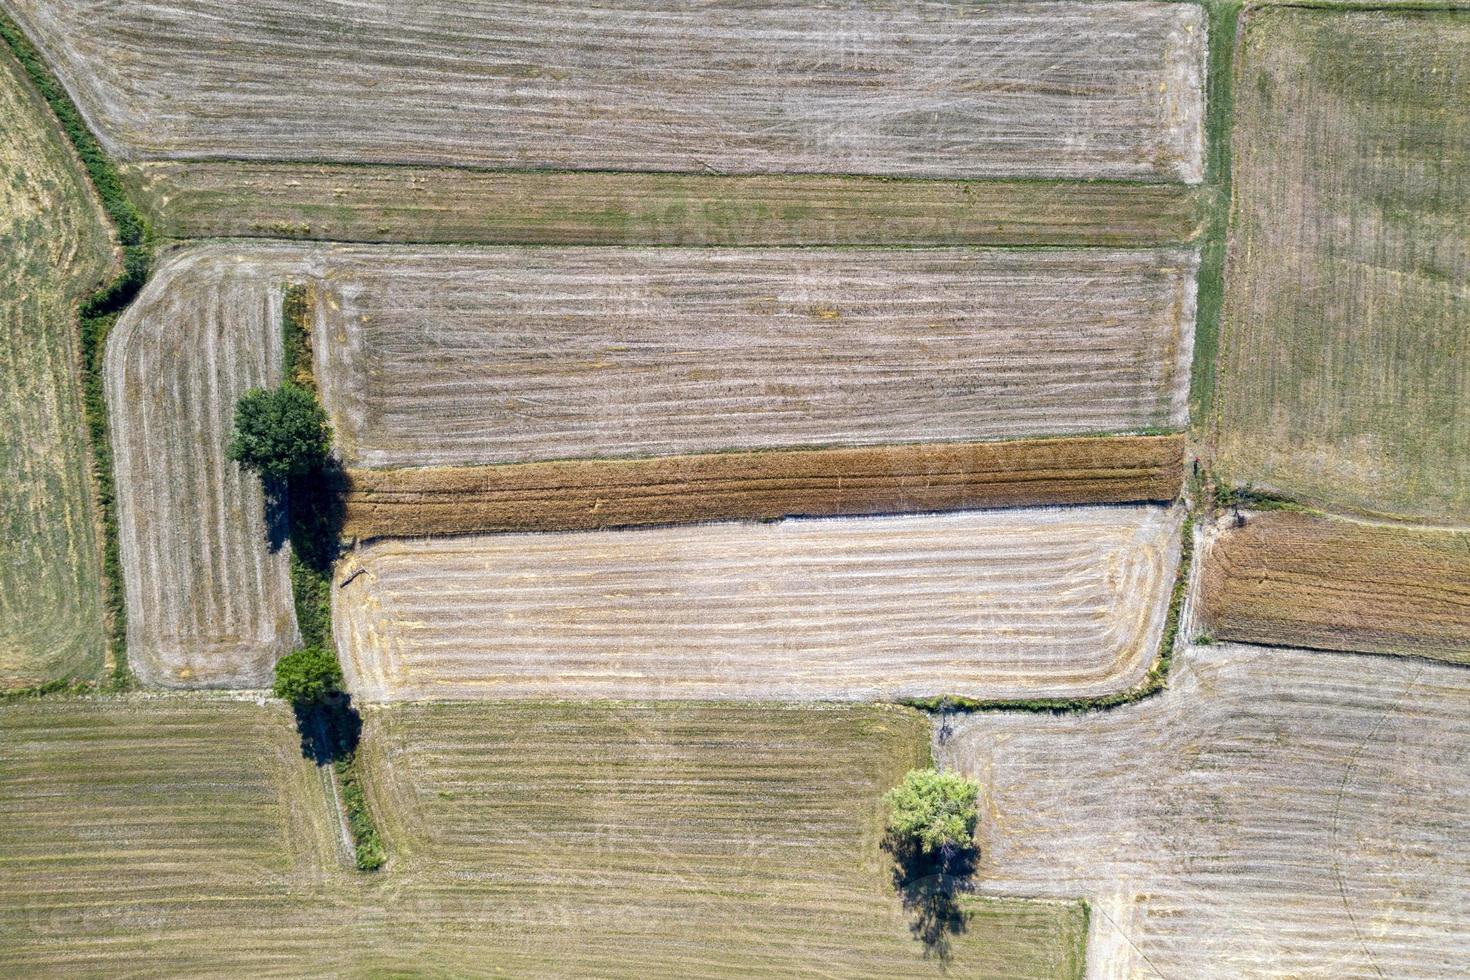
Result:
<point x="1290" y="579"/>
<point x="711" y="840"/>
<point x="207" y="581"/>
<point x="445" y="357"/>
<point x="990" y="604"/>
<point x="53" y="247"/>
<point x="1345" y="357"/>
<point x="1273" y="812"/>
<point x="929" y="88"/>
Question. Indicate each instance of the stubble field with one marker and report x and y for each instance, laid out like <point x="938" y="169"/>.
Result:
<point x="932" y="89"/>
<point x="590" y="494"/>
<point x="1344" y="367"/>
<point x="206" y="573"/>
<point x="54" y="248"/>
<point x="185" y="836"/>
<point x="1294" y="580"/>
<point x="985" y="604"/>
<point x="365" y="203"/>
<point x="1273" y="813"/>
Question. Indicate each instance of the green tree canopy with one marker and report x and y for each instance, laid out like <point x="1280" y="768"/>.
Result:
<point x="307" y="676"/>
<point x="280" y="433"/>
<point x="933" y="811"/>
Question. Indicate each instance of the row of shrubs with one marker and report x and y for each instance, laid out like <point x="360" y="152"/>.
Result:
<point x="97" y="314"/>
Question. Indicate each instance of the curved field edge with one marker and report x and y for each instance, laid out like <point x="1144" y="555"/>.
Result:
<point x="432" y="205"/>
<point x="55" y="246"/>
<point x="1276" y="811"/>
<point x="1042" y="602"/>
<point x="594" y="494"/>
<point x="96" y="315"/>
<point x="1291" y="579"/>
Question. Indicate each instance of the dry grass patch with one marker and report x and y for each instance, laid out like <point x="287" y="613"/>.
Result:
<point x="1290" y="579"/>
<point x="362" y="203"/>
<point x="1344" y="370"/>
<point x="1273" y="813"/>
<point x="590" y="494"/>
<point x="54" y="247"/>
<point x="988" y="605"/>
<point x="924" y="89"/>
<point x="206" y="575"/>
<point x="678" y="840"/>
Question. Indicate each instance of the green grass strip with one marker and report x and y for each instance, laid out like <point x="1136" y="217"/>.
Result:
<point x="96" y="316"/>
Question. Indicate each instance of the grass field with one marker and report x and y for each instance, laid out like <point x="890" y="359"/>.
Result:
<point x="983" y="604"/>
<point x="1273" y="813"/>
<point x="931" y="89"/>
<point x="591" y="494"/>
<point x="1344" y="369"/>
<point x="188" y="837"/>
<point x="364" y="203"/>
<point x="54" y="248"/>
<point x="206" y="574"/>
<point x="1290" y="579"/>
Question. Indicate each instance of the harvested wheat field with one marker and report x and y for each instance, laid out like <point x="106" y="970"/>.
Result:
<point x="1290" y="579"/>
<point x="987" y="604"/>
<point x="157" y="837"/>
<point x="713" y="840"/>
<point x="54" y="248"/>
<point x="1273" y="813"/>
<point x="460" y="356"/>
<point x="591" y="494"/>
<point x="445" y="357"/>
<point x="180" y="836"/>
<point x="1344" y="368"/>
<point x="206" y="573"/>
<point x="360" y="203"/>
<point x="932" y="89"/>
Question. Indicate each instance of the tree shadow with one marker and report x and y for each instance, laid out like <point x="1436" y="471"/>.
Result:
<point x="329" y="729"/>
<point x="317" y="510"/>
<point x="931" y="886"/>
<point x="277" y="514"/>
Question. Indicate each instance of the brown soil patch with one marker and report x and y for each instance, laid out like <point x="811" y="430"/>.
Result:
<point x="1296" y="580"/>
<point x="588" y="494"/>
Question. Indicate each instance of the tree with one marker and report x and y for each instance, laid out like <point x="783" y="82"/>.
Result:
<point x="307" y="677"/>
<point x="280" y="433"/>
<point x="933" y="812"/>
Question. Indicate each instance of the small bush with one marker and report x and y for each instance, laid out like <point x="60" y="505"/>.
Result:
<point x="281" y="433"/>
<point x="307" y="677"/>
<point x="933" y="812"/>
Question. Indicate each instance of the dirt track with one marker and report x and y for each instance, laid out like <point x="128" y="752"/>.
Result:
<point x="591" y="494"/>
<point x="913" y="87"/>
<point x="1273" y="813"/>
<point x="986" y="604"/>
<point x="1295" y="580"/>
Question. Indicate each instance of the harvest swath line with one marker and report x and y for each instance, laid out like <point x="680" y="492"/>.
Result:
<point x="986" y="605"/>
<point x="921" y="89"/>
<point x="1265" y="814"/>
<point x="367" y="203"/>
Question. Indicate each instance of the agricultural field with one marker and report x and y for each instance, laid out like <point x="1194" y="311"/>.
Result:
<point x="592" y="494"/>
<point x="1344" y="375"/>
<point x="930" y="89"/>
<point x="512" y="355"/>
<point x="1296" y="580"/>
<point x="206" y="846"/>
<point x="206" y="567"/>
<point x="54" y="249"/>
<point x="983" y="604"/>
<point x="1273" y="813"/>
<point x="364" y="203"/>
